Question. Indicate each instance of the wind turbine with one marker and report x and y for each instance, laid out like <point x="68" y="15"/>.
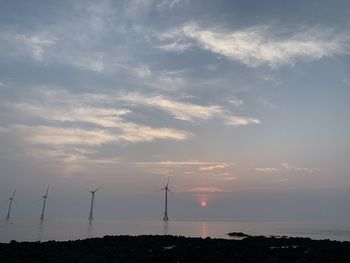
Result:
<point x="166" y="189"/>
<point x="92" y="202"/>
<point x="12" y="199"/>
<point x="44" y="203"/>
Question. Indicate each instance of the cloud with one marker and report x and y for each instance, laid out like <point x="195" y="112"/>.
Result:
<point x="214" y="167"/>
<point x="50" y="135"/>
<point x="170" y="4"/>
<point x="51" y="49"/>
<point x="95" y="104"/>
<point x="133" y="132"/>
<point x="62" y="119"/>
<point x="186" y="167"/>
<point x="70" y="112"/>
<point x="91" y="62"/>
<point x="71" y="159"/>
<point x="186" y="163"/>
<point x="127" y="132"/>
<point x="98" y="109"/>
<point x="226" y="176"/>
<point x="264" y="45"/>
<point x="292" y="167"/>
<point x="76" y="39"/>
<point x="267" y="103"/>
<point x="36" y="44"/>
<point x="231" y="178"/>
<point x="205" y="189"/>
<point x="65" y="149"/>
<point x="267" y="170"/>
<point x="175" y="46"/>
<point x="236" y="103"/>
<point x="180" y="110"/>
<point x="240" y="121"/>
<point x="188" y="111"/>
<point x="281" y="180"/>
<point x="285" y="167"/>
<point x="33" y="45"/>
<point x="139" y="8"/>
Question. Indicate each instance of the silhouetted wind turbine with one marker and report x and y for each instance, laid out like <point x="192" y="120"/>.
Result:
<point x="44" y="203"/>
<point x="92" y="202"/>
<point x="166" y="189"/>
<point x="12" y="199"/>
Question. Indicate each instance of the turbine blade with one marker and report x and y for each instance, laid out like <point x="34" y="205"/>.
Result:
<point x="47" y="190"/>
<point x="172" y="193"/>
<point x="167" y="184"/>
<point x="13" y="195"/>
<point x="97" y="188"/>
<point x="159" y="190"/>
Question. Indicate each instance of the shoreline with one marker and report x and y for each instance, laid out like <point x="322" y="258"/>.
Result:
<point x="158" y="248"/>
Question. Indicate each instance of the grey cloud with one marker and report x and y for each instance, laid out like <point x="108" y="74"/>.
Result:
<point x="263" y="45"/>
<point x="286" y="167"/>
<point x="188" y="111"/>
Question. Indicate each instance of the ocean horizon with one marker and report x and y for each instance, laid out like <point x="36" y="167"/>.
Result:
<point x="81" y="228"/>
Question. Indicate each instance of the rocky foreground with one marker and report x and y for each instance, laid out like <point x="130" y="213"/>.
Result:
<point x="177" y="249"/>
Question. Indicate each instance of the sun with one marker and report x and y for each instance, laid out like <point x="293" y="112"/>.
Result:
<point x="203" y="203"/>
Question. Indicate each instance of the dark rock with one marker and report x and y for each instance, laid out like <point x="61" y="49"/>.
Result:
<point x="238" y="234"/>
<point x="177" y="249"/>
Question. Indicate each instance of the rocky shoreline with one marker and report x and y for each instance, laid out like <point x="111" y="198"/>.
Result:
<point x="177" y="249"/>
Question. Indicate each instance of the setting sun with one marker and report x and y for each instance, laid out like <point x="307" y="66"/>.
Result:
<point x="203" y="203"/>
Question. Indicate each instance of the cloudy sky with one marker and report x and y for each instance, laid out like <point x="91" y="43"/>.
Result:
<point x="245" y="104"/>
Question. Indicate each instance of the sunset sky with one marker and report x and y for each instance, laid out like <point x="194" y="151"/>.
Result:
<point x="245" y="104"/>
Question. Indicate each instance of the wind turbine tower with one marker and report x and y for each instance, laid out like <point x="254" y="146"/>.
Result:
<point x="12" y="199"/>
<point x="166" y="189"/>
<point x="92" y="202"/>
<point x="44" y="203"/>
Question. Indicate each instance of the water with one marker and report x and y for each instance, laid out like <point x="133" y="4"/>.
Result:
<point x="72" y="229"/>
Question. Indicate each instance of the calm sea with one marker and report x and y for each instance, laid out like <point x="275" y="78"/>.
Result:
<point x="71" y="229"/>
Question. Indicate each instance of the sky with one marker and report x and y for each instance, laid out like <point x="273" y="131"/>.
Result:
<point x="244" y="104"/>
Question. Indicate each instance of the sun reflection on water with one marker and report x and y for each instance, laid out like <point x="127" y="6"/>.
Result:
<point x="204" y="230"/>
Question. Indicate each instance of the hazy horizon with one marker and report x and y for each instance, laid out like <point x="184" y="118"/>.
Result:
<point x="244" y="104"/>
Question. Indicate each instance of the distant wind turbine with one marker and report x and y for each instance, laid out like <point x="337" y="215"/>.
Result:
<point x="166" y="189"/>
<point x="92" y="202"/>
<point x="12" y="199"/>
<point x="44" y="203"/>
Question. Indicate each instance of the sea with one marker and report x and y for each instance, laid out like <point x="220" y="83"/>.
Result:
<point x="74" y="229"/>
